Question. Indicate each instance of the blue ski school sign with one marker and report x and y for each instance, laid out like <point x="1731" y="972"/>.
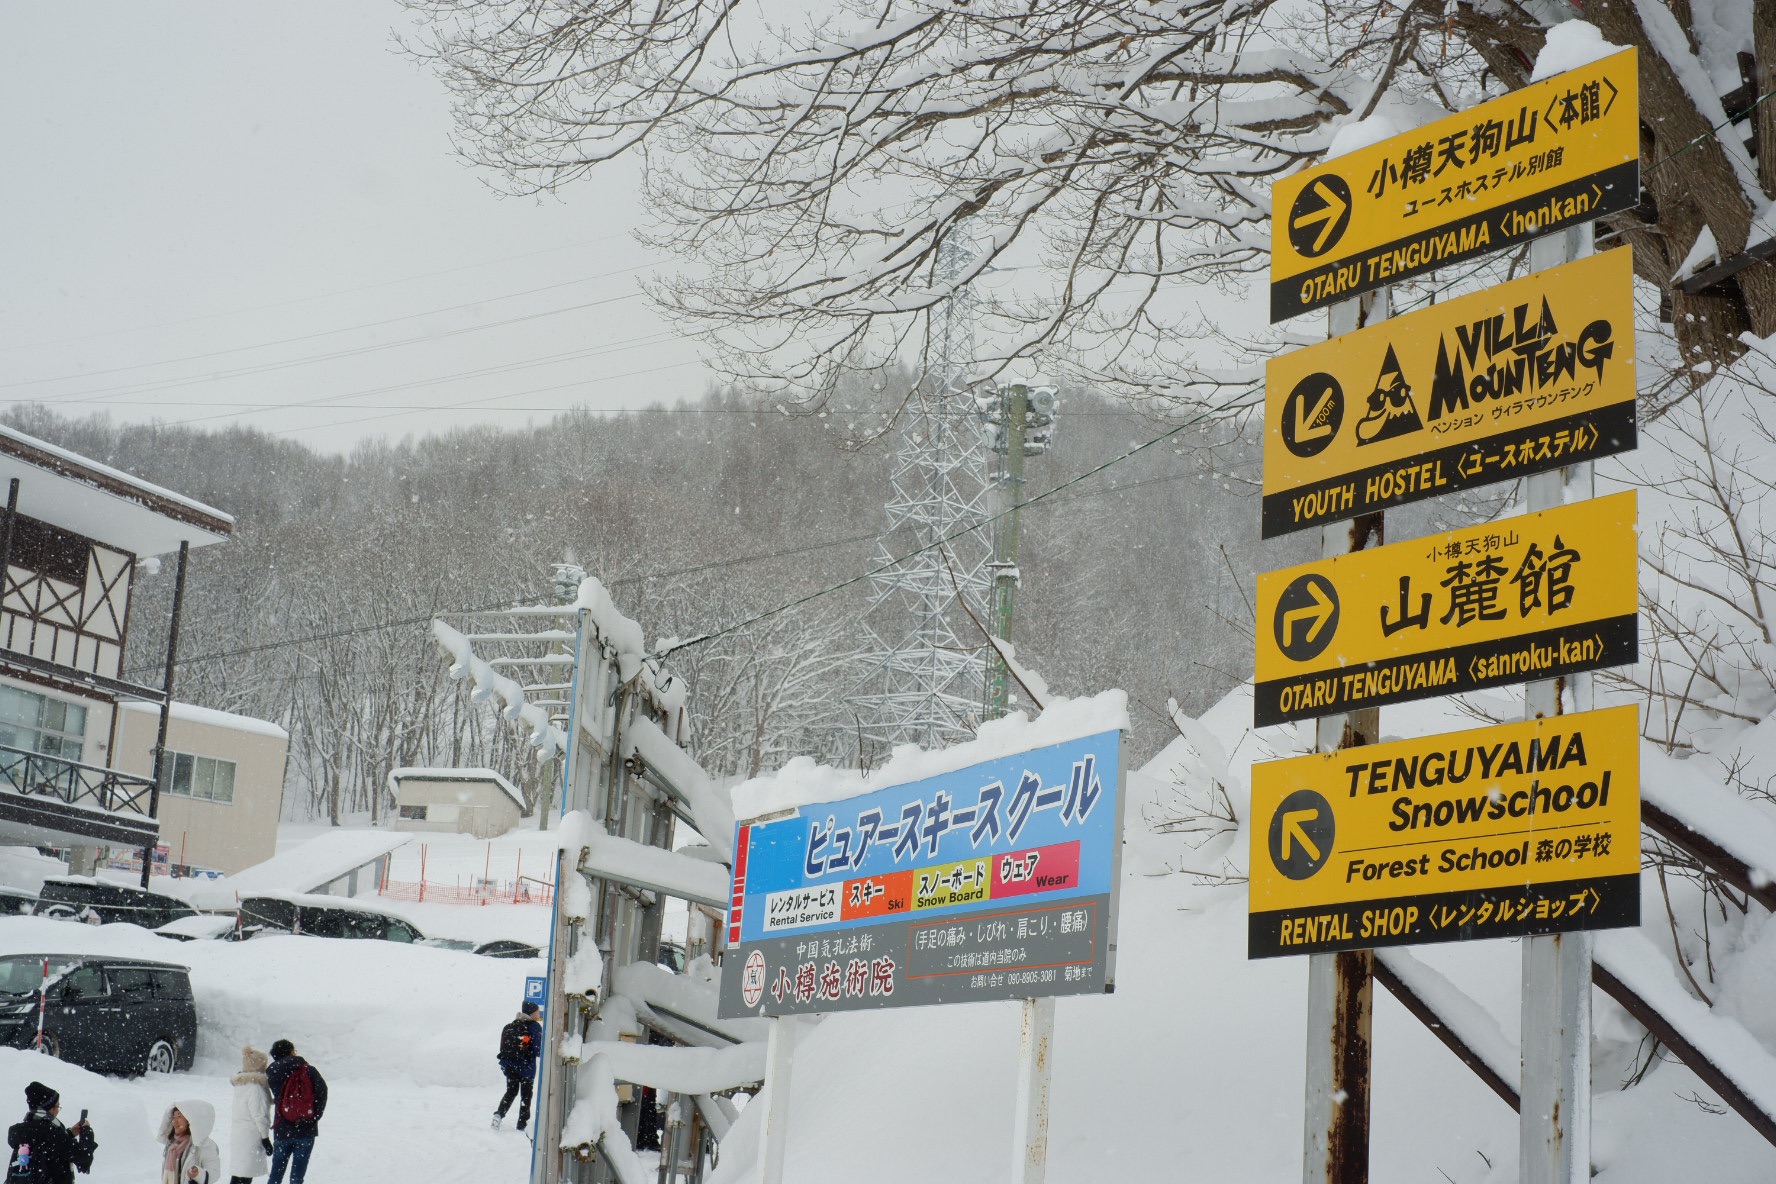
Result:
<point x="996" y="881"/>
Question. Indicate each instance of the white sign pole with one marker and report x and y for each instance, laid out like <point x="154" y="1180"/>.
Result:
<point x="779" y="1061"/>
<point x="1035" y="1071"/>
<point x="1554" y="1130"/>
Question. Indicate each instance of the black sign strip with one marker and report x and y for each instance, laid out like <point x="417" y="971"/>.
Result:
<point x="1468" y="914"/>
<point x="1616" y="189"/>
<point x="1526" y="657"/>
<point x="1602" y="431"/>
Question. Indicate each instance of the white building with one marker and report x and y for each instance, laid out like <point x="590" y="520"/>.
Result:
<point x="223" y="786"/>
<point x="476" y="802"/>
<point x="68" y="557"/>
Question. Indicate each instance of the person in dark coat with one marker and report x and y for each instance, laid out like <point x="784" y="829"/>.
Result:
<point x="47" y="1147"/>
<point x="521" y="1043"/>
<point x="293" y="1132"/>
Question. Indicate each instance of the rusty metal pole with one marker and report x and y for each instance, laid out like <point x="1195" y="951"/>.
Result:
<point x="1335" y="1144"/>
<point x="1554" y="1128"/>
<point x="1035" y="1072"/>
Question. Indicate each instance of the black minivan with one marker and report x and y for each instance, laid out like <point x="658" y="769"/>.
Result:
<point x="322" y="916"/>
<point x="79" y="896"/>
<point x="110" y="1015"/>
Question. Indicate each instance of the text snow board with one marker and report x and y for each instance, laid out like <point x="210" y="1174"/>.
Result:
<point x="1520" y="378"/>
<point x="1551" y="155"/>
<point x="1521" y="599"/>
<point x="997" y="881"/>
<point x="1500" y="832"/>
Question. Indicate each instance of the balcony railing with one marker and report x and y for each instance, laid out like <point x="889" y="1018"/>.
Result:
<point x="44" y="776"/>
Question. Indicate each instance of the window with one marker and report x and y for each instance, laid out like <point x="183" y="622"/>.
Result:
<point x="416" y="813"/>
<point x="37" y="723"/>
<point x="132" y="980"/>
<point x="204" y="778"/>
<point x="86" y="983"/>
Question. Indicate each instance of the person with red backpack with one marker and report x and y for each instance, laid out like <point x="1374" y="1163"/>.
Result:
<point x="521" y="1042"/>
<point x="299" y="1098"/>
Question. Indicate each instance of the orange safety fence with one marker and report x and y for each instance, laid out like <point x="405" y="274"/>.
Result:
<point x="523" y="891"/>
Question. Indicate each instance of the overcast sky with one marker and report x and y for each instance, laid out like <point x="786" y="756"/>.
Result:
<point x="230" y="213"/>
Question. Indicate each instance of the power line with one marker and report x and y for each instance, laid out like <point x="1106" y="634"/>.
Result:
<point x="211" y="316"/>
<point x="171" y="384"/>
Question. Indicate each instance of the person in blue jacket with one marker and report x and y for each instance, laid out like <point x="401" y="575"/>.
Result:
<point x="521" y="1043"/>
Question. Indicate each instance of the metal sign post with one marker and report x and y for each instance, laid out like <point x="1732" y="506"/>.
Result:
<point x="779" y="1066"/>
<point x="1035" y="1072"/>
<point x="1554" y="1132"/>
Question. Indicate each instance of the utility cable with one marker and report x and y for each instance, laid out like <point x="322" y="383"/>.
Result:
<point x="1198" y="418"/>
<point x="211" y="316"/>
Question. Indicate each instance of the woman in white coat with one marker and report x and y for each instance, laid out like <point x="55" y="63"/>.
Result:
<point x="190" y="1155"/>
<point x="249" y="1137"/>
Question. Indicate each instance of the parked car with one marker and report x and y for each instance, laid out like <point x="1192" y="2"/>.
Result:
<point x="16" y="901"/>
<point x="449" y="943"/>
<point x="201" y="927"/>
<point x="322" y="916"/>
<point x="80" y="897"/>
<point x="507" y="948"/>
<point x="110" y="1015"/>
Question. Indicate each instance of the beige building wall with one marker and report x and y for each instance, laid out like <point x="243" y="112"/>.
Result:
<point x="226" y="836"/>
<point x="469" y="806"/>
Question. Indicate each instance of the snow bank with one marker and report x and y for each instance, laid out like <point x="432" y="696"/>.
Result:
<point x="312" y="865"/>
<point x="803" y="782"/>
<point x="434" y="1014"/>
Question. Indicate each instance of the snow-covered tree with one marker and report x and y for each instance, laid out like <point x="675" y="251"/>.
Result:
<point x="1100" y="155"/>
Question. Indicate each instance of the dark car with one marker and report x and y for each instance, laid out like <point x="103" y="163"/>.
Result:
<point x="77" y="897"/>
<point x="110" y="1015"/>
<point x="322" y="916"/>
<point x="16" y="901"/>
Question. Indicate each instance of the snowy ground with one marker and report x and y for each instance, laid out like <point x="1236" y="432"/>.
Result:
<point x="405" y="1037"/>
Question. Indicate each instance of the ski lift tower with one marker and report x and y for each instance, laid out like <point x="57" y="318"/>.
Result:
<point x="927" y="663"/>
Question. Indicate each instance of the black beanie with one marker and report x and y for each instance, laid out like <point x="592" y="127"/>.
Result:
<point x="530" y="1008"/>
<point x="281" y="1048"/>
<point x="40" y="1097"/>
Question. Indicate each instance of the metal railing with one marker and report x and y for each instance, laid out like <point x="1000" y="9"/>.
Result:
<point x="41" y="775"/>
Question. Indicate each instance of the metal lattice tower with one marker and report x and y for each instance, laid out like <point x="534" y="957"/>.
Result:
<point x="927" y="664"/>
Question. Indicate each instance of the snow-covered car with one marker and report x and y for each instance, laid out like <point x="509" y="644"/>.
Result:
<point x="83" y="898"/>
<point x="110" y="1015"/>
<point x="16" y="902"/>
<point x="201" y="927"/>
<point x="322" y="916"/>
<point x="507" y="948"/>
<point x="449" y="943"/>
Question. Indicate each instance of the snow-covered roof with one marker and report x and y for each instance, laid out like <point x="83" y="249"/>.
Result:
<point x="105" y="504"/>
<point x="192" y="713"/>
<point x="304" y="868"/>
<point x="478" y="775"/>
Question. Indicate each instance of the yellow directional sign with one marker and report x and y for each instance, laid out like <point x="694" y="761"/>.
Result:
<point x="1552" y="155"/>
<point x="1499" y="832"/>
<point x="1520" y="378"/>
<point x="1522" y="599"/>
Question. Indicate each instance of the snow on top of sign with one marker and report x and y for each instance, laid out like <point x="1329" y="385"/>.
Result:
<point x="1569" y="46"/>
<point x="802" y="782"/>
<point x="1362" y="133"/>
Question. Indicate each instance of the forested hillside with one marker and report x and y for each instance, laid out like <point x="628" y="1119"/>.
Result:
<point x="697" y="516"/>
